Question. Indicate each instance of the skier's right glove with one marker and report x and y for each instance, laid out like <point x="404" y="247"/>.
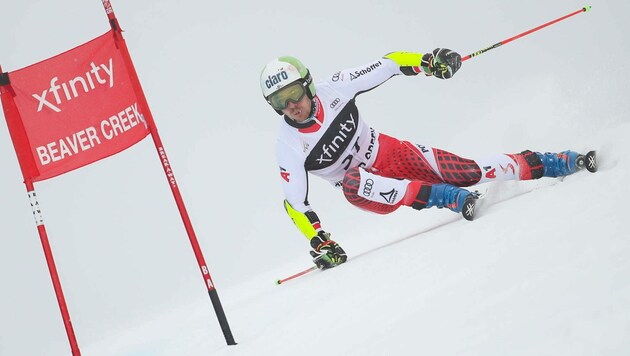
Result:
<point x="442" y="63"/>
<point x="326" y="253"/>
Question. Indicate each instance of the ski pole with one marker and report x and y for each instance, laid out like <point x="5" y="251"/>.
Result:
<point x="584" y="9"/>
<point x="310" y="269"/>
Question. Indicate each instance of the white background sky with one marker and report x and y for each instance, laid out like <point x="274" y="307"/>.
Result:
<point x="122" y="253"/>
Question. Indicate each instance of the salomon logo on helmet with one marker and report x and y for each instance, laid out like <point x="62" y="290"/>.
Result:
<point x="275" y="79"/>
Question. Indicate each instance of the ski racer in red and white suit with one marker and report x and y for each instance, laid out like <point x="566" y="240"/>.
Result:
<point x="324" y="134"/>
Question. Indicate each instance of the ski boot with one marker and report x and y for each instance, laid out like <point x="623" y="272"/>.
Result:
<point x="454" y="198"/>
<point x="326" y="253"/>
<point x="566" y="163"/>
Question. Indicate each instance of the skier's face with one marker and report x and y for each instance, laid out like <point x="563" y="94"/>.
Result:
<point x="298" y="111"/>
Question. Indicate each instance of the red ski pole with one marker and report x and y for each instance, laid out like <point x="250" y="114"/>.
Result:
<point x="310" y="269"/>
<point x="584" y="9"/>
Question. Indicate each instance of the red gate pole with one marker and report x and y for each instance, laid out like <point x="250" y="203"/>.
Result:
<point x="170" y="176"/>
<point x="7" y="94"/>
<point x="50" y="261"/>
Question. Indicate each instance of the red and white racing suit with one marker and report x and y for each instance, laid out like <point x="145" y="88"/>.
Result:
<point x="377" y="172"/>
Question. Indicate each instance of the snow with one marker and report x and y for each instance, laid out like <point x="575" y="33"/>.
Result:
<point x="544" y="270"/>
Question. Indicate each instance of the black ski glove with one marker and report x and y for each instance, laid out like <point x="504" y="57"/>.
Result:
<point x="326" y="253"/>
<point x="442" y="63"/>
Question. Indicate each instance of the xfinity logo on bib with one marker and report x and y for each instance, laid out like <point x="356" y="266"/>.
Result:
<point x="339" y="142"/>
<point x="335" y="142"/>
<point x="53" y="97"/>
<point x="275" y="79"/>
<point x="358" y="73"/>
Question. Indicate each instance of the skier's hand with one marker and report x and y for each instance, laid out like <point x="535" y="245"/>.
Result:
<point x="442" y="63"/>
<point x="326" y="253"/>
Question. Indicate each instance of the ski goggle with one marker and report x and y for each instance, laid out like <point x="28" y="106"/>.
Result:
<point x="292" y="92"/>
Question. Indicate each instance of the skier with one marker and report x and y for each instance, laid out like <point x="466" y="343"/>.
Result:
<point x="324" y="134"/>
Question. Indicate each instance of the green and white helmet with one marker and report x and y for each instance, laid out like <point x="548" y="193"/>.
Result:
<point x="283" y="71"/>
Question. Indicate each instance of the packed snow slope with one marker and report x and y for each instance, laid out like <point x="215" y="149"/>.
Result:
<point x="543" y="270"/>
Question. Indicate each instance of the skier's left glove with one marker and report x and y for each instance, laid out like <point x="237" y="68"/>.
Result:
<point x="326" y="253"/>
<point x="442" y="63"/>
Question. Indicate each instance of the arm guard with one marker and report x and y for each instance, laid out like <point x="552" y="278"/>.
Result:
<point x="308" y="222"/>
<point x="409" y="63"/>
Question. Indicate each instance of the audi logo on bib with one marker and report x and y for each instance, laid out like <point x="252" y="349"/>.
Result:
<point x="367" y="187"/>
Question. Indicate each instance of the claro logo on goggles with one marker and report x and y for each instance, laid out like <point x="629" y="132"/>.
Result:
<point x="275" y="79"/>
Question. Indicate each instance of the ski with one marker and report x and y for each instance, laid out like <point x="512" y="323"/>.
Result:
<point x="308" y="270"/>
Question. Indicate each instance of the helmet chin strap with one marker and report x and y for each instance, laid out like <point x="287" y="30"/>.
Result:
<point x="313" y="108"/>
<point x="311" y="116"/>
